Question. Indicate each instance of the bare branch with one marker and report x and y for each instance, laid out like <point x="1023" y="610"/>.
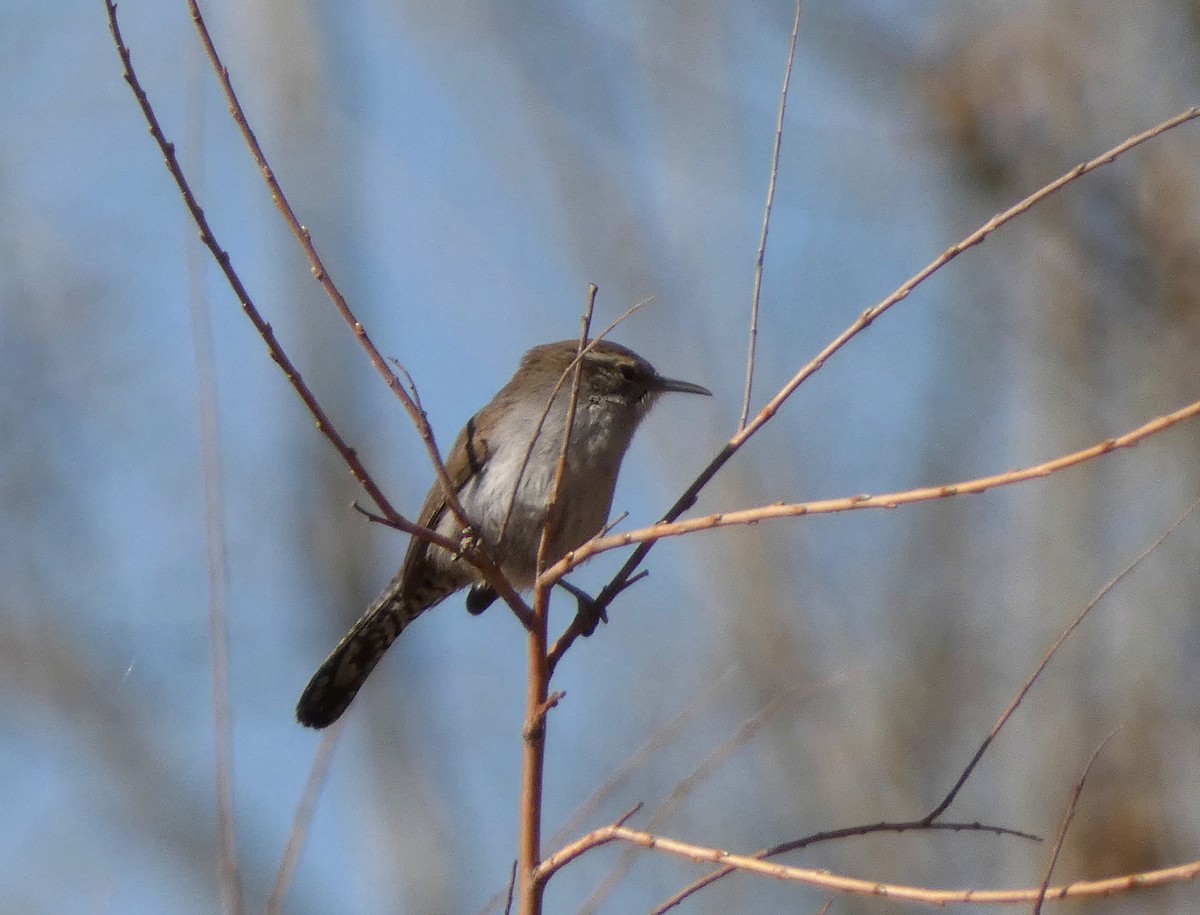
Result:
<point x="492" y="573"/>
<point x="823" y="879"/>
<point x="663" y="529"/>
<point x="928" y="821"/>
<point x="620" y="581"/>
<point x="538" y="702"/>
<point x="1066" y="824"/>
<point x="1053" y="650"/>
<point x="224" y="262"/>
<point x="833" y="835"/>
<point x="319" y="271"/>
<point x="762" y="241"/>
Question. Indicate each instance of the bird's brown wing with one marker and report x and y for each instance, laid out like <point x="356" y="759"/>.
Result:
<point x="466" y="459"/>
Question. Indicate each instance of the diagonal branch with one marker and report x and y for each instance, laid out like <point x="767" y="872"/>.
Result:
<point x="225" y="263"/>
<point x="319" y="271"/>
<point x="1053" y="650"/>
<point x="930" y="820"/>
<point x="622" y="579"/>
<point x="477" y="557"/>
<point x="1066" y="824"/>
<point x="663" y="529"/>
<point x="302" y="820"/>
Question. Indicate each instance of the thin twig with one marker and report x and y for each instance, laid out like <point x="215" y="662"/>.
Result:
<point x="928" y="821"/>
<point x="224" y="262"/>
<point x="611" y="525"/>
<point x="477" y="557"/>
<point x="1053" y="650"/>
<point x="647" y="535"/>
<point x="762" y="241"/>
<point x="831" y="835"/>
<point x="302" y="821"/>
<point x="620" y="581"/>
<point x="689" y="851"/>
<point x="319" y="271"/>
<point x="512" y="885"/>
<point x="1066" y="824"/>
<point x="412" y="385"/>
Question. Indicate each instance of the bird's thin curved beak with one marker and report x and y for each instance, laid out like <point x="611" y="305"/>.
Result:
<point x="681" y="387"/>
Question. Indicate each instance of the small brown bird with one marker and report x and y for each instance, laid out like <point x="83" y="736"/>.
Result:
<point x="505" y="496"/>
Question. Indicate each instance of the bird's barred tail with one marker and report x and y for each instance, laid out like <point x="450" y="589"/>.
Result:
<point x="336" y="683"/>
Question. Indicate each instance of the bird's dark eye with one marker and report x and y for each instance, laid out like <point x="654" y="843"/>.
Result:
<point x="630" y="372"/>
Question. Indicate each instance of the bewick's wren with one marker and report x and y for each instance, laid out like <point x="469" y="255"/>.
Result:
<point x="505" y="497"/>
